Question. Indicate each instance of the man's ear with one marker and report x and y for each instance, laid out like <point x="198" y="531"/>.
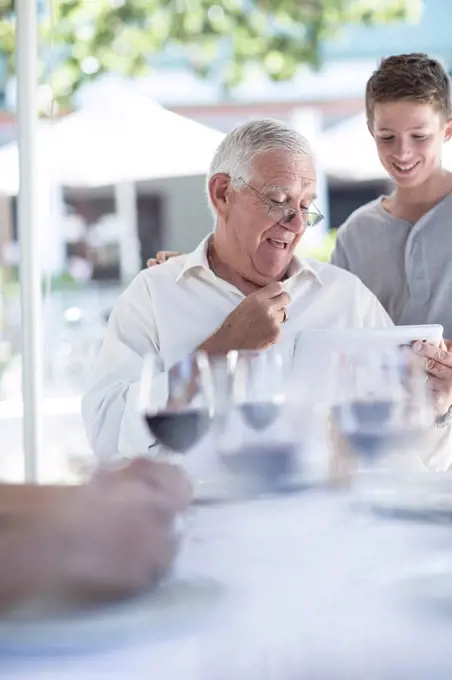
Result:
<point x="219" y="191"/>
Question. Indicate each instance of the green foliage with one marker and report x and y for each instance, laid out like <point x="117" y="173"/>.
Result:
<point x="10" y="283"/>
<point x="121" y="36"/>
<point x="6" y="7"/>
<point x="320" y="252"/>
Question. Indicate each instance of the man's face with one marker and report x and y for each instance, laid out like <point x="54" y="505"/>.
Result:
<point x="409" y="138"/>
<point x="264" y="247"/>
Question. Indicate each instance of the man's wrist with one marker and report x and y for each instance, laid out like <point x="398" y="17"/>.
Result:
<point x="27" y="502"/>
<point x="35" y="561"/>
<point x="216" y="344"/>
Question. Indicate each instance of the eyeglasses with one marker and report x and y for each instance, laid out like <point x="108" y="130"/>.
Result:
<point x="283" y="214"/>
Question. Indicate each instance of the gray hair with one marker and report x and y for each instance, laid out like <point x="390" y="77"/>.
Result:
<point x="237" y="151"/>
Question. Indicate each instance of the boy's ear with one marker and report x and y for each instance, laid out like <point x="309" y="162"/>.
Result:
<point x="369" y="127"/>
<point x="448" y="130"/>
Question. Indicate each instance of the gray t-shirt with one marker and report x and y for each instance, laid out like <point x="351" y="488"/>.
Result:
<point x="407" y="266"/>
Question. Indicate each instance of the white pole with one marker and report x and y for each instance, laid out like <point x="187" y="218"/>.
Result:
<point x="30" y="273"/>
<point x="309" y="122"/>
<point x="126" y="205"/>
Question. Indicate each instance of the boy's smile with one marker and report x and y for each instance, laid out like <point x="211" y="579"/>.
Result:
<point x="409" y="138"/>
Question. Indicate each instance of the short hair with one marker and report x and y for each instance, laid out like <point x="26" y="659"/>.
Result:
<point x="412" y="77"/>
<point x="241" y="146"/>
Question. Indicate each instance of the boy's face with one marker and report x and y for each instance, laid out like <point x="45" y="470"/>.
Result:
<point x="409" y="138"/>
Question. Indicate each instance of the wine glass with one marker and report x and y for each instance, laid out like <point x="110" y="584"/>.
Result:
<point x="259" y="387"/>
<point x="177" y="405"/>
<point x="256" y="443"/>
<point x="381" y="416"/>
<point x="381" y="400"/>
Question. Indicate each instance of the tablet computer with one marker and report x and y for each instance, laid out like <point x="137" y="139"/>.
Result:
<point x="351" y="338"/>
<point x="315" y="348"/>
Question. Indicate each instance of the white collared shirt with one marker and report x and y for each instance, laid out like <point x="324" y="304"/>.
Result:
<point x="171" y="309"/>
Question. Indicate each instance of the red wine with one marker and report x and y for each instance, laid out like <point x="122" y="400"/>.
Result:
<point x="367" y="413"/>
<point x="179" y="431"/>
<point x="365" y="426"/>
<point x="373" y="443"/>
<point x="369" y="444"/>
<point x="267" y="463"/>
<point x="260" y="415"/>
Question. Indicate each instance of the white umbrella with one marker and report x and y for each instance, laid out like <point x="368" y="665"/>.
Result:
<point x="117" y="138"/>
<point x="347" y="152"/>
<point x="123" y="137"/>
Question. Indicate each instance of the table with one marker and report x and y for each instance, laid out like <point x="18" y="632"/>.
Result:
<point x="312" y="591"/>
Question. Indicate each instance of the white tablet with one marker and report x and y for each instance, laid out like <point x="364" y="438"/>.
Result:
<point x="315" y="349"/>
<point x="350" y="338"/>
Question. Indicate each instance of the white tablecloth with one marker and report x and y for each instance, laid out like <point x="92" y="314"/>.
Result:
<point x="312" y="591"/>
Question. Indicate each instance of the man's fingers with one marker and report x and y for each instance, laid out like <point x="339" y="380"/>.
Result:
<point x="438" y="370"/>
<point x="276" y="300"/>
<point x="448" y="344"/>
<point x="272" y="290"/>
<point x="171" y="481"/>
<point x="161" y="257"/>
<point x="438" y="360"/>
<point x="164" y="255"/>
<point x="439" y="354"/>
<point x="275" y="294"/>
<point x="282" y="316"/>
<point x="436" y="385"/>
<point x="439" y="392"/>
<point x="167" y="483"/>
<point x="280" y="301"/>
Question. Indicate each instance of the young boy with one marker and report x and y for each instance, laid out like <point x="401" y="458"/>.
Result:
<point x="400" y="245"/>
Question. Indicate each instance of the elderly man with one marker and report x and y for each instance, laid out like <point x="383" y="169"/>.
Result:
<point x="242" y="288"/>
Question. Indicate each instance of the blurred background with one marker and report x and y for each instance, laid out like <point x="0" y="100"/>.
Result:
<point x="134" y="97"/>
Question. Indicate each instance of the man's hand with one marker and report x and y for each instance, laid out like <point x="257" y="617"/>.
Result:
<point x="161" y="257"/>
<point x="254" y="324"/>
<point x="438" y="364"/>
<point x="160" y="477"/>
<point x="119" y="528"/>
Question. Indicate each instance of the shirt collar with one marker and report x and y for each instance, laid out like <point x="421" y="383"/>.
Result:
<point x="299" y="267"/>
<point x="197" y="259"/>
